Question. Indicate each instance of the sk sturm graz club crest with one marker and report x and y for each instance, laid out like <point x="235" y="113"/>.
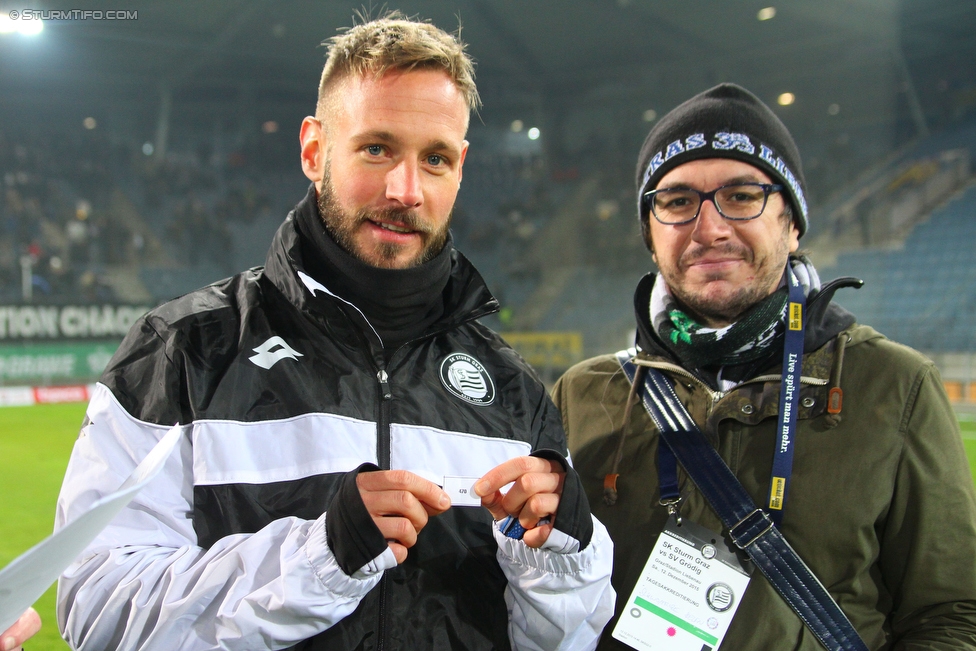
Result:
<point x="719" y="597"/>
<point x="466" y="378"/>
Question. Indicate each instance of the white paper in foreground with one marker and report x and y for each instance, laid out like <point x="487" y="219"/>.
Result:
<point x="29" y="575"/>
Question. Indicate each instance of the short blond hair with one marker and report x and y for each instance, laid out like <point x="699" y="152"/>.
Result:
<point x="396" y="43"/>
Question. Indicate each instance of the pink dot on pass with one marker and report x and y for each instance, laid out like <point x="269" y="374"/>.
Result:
<point x="671" y="631"/>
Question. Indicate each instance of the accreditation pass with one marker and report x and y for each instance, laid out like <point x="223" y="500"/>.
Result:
<point x="687" y="594"/>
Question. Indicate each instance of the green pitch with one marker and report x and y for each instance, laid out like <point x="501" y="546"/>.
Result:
<point x="34" y="446"/>
<point x="35" y="443"/>
<point x="967" y="423"/>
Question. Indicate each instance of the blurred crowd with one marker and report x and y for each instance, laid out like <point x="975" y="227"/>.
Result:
<point x="72" y="209"/>
<point x="54" y="216"/>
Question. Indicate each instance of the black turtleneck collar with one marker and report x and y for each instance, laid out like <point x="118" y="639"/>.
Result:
<point x="401" y="304"/>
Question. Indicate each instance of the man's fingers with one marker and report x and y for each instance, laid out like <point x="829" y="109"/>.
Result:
<point x="427" y="492"/>
<point x="399" y="551"/>
<point x="542" y="490"/>
<point x="509" y="471"/>
<point x="396" y="504"/>
<point x="538" y="507"/>
<point x="400" y="504"/>
<point x="398" y="530"/>
<point x="24" y="628"/>
<point x="537" y="536"/>
<point x="493" y="503"/>
<point x="535" y="483"/>
<point x="536" y="487"/>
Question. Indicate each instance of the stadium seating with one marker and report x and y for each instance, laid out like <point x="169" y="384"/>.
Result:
<point x="187" y="222"/>
<point x="923" y="294"/>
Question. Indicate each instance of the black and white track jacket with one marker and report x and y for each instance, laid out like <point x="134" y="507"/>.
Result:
<point x="283" y="394"/>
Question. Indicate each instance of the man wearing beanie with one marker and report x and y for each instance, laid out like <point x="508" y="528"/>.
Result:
<point x="774" y="475"/>
<point x="349" y="429"/>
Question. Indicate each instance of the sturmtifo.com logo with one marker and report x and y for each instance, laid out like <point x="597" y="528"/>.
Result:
<point x="466" y="378"/>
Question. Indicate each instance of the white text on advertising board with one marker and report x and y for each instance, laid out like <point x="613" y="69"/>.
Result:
<point x="67" y="322"/>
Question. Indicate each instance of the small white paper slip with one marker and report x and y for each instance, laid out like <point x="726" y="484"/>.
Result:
<point x="686" y="596"/>
<point x="28" y="576"/>
<point x="461" y="491"/>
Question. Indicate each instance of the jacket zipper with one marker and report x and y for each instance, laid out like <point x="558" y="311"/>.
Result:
<point x="381" y="633"/>
<point x="383" y="456"/>
<point x="383" y="431"/>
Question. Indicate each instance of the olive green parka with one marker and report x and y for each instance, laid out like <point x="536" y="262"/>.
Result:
<point x="881" y="503"/>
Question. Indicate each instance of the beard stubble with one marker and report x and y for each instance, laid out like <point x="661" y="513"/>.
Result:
<point x="343" y="226"/>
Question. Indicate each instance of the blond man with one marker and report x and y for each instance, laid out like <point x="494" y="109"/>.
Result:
<point x="349" y="425"/>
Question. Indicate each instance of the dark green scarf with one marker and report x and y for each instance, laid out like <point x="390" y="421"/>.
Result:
<point x="746" y="340"/>
<point x="743" y="341"/>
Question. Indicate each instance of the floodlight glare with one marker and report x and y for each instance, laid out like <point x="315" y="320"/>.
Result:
<point x="786" y="99"/>
<point x="534" y="133"/>
<point x="766" y="13"/>
<point x="31" y="27"/>
<point x="21" y="26"/>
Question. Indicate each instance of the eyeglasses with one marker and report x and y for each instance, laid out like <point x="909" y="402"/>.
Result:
<point x="739" y="202"/>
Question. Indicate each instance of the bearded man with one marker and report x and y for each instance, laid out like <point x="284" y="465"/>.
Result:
<point x="347" y="422"/>
<point x="756" y="414"/>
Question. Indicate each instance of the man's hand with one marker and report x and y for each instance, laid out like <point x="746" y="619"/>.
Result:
<point x="400" y="503"/>
<point x="534" y="495"/>
<point x="24" y="628"/>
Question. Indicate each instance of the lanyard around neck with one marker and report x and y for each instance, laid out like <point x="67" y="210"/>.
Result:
<point x="789" y="394"/>
<point x="786" y="420"/>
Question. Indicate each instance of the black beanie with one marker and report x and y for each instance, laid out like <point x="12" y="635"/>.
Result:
<point x="723" y="122"/>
